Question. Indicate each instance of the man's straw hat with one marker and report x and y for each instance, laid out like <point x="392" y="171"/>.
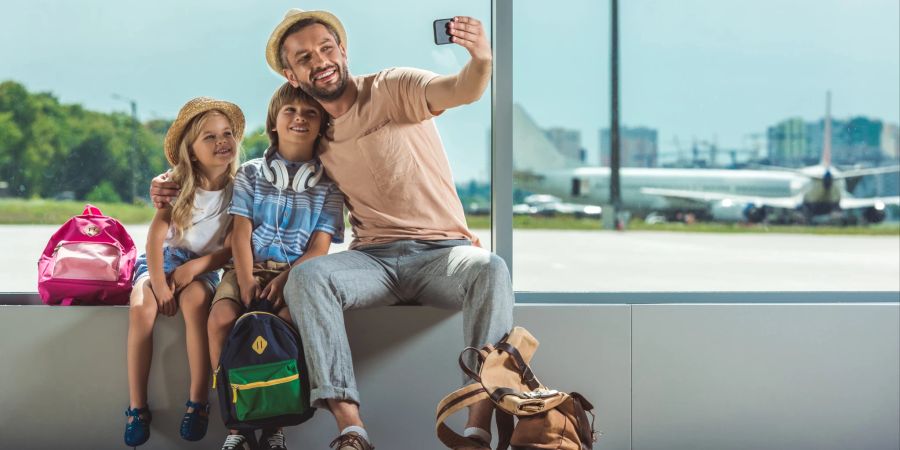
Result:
<point x="193" y="108"/>
<point x="273" y="50"/>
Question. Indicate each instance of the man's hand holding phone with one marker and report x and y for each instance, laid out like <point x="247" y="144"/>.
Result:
<point x="465" y="31"/>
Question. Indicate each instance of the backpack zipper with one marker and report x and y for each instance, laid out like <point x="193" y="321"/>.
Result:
<point x="237" y="387"/>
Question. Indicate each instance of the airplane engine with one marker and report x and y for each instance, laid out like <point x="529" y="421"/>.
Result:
<point x="755" y="214"/>
<point x="874" y="214"/>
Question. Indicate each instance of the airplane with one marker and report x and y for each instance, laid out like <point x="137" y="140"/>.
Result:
<point x="806" y="194"/>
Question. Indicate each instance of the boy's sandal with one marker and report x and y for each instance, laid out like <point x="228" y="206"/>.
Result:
<point x="138" y="430"/>
<point x="193" y="424"/>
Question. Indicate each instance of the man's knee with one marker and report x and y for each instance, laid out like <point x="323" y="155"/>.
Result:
<point x="496" y="267"/>
<point x="303" y="277"/>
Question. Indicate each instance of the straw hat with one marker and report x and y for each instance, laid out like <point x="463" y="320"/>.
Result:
<point x="193" y="108"/>
<point x="294" y="15"/>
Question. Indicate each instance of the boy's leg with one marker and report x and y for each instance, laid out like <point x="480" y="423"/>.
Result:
<point x="194" y="301"/>
<point x="141" y="318"/>
<point x="224" y="311"/>
<point x="317" y="293"/>
<point x="468" y="278"/>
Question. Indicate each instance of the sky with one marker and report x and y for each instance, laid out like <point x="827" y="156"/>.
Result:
<point x="693" y="69"/>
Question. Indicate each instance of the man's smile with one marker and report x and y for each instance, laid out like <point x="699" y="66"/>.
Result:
<point x="326" y="76"/>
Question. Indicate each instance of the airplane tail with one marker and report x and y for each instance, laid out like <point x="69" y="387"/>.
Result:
<point x="532" y="151"/>
<point x="826" y="139"/>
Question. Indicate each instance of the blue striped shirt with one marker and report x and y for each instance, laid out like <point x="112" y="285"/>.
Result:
<point x="284" y="221"/>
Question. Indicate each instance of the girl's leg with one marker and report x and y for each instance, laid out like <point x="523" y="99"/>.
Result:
<point x="141" y="318"/>
<point x="194" y="301"/>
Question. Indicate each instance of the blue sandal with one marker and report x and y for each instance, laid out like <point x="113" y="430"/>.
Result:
<point x="193" y="425"/>
<point x="138" y="430"/>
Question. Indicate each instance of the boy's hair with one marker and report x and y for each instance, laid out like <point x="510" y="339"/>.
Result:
<point x="287" y="94"/>
<point x="188" y="176"/>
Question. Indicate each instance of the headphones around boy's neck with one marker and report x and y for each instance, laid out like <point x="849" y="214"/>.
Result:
<point x="275" y="171"/>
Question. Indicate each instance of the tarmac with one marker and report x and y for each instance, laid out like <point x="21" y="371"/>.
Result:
<point x="611" y="261"/>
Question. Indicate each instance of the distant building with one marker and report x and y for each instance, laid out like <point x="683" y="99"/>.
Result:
<point x="890" y="141"/>
<point x="638" y="147"/>
<point x="567" y="141"/>
<point x="859" y="140"/>
<point x="789" y="144"/>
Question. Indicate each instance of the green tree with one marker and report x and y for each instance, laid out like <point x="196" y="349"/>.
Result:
<point x="255" y="143"/>
<point x="103" y="193"/>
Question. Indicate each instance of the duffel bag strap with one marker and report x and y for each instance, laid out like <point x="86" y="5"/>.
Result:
<point x="523" y="368"/>
<point x="585" y="431"/>
<point x="453" y="402"/>
<point x="504" y="428"/>
<point x="473" y="373"/>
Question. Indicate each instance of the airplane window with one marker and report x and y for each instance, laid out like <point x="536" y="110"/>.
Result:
<point x="759" y="151"/>
<point x="89" y="90"/>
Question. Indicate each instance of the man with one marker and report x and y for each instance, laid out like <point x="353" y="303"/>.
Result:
<point x="411" y="242"/>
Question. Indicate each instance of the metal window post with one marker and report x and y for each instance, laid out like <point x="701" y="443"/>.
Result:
<point x="502" y="130"/>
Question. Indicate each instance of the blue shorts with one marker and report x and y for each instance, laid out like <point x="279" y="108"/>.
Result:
<point x="172" y="258"/>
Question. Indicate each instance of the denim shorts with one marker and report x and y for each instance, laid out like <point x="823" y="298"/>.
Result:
<point x="172" y="258"/>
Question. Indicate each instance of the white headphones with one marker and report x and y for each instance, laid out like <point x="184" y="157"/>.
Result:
<point x="276" y="172"/>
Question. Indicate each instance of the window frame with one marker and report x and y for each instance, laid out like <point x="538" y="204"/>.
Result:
<point x="502" y="203"/>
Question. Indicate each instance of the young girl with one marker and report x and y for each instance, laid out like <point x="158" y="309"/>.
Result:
<point x="186" y="245"/>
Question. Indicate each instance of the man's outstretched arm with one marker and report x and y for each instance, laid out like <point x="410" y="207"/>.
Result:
<point x="448" y="91"/>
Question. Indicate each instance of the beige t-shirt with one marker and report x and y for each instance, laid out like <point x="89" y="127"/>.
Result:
<point x="385" y="154"/>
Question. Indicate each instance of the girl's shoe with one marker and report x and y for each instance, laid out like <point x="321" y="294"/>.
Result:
<point x="138" y="430"/>
<point x="193" y="424"/>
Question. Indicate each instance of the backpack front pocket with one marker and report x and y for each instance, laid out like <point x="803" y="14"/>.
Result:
<point x="97" y="261"/>
<point x="266" y="390"/>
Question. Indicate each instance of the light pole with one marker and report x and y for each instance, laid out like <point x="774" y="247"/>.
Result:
<point x="133" y="157"/>
<point x="615" y="195"/>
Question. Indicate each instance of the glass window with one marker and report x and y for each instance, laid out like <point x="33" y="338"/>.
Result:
<point x="735" y="174"/>
<point x="88" y="91"/>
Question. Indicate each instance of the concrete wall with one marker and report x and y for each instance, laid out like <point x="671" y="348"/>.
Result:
<point x="737" y="376"/>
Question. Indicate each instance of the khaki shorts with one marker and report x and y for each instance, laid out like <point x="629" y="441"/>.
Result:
<point x="264" y="272"/>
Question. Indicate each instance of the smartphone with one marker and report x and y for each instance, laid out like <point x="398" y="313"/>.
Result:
<point x="442" y="32"/>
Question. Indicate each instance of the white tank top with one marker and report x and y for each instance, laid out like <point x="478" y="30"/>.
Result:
<point x="209" y="223"/>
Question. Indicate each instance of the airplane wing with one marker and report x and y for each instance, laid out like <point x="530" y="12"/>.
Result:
<point x="709" y="197"/>
<point x="869" y="202"/>
<point x="871" y="171"/>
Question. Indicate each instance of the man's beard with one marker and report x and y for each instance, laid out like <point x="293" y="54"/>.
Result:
<point x="323" y="95"/>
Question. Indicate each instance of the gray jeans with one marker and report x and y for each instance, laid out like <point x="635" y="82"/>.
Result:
<point x="448" y="274"/>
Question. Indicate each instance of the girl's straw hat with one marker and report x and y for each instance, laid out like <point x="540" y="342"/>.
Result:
<point x="294" y="15"/>
<point x="193" y="108"/>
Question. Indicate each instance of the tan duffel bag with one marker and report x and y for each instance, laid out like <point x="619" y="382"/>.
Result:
<point x="545" y="418"/>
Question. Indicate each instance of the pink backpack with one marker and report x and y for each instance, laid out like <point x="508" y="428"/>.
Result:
<point x="87" y="261"/>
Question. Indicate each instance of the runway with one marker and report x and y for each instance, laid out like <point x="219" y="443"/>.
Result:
<point x="609" y="261"/>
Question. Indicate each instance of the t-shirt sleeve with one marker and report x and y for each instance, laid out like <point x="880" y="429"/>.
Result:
<point x="242" y="197"/>
<point x="331" y="219"/>
<point x="406" y="93"/>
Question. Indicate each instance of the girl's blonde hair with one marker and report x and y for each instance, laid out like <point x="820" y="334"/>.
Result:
<point x="187" y="174"/>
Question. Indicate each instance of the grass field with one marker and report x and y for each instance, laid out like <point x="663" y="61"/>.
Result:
<point x="50" y="212"/>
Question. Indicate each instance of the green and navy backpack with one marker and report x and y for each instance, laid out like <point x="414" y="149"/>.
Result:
<point x="262" y="379"/>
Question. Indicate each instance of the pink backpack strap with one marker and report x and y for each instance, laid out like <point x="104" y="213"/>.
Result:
<point x="91" y="210"/>
<point x="68" y="301"/>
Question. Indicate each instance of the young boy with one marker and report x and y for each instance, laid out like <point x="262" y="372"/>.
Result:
<point x="285" y="213"/>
